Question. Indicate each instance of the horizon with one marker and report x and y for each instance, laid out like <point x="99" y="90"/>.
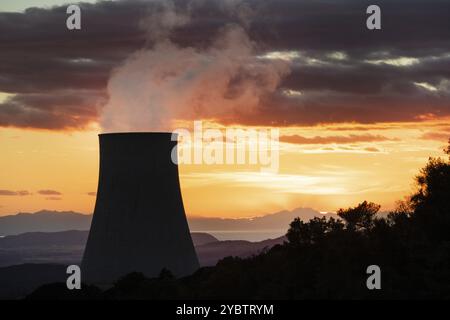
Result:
<point x="189" y="216"/>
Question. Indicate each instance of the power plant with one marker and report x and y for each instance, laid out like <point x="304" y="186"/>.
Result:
<point x="139" y="222"/>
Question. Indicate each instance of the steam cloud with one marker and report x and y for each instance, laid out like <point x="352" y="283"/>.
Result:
<point x="169" y="82"/>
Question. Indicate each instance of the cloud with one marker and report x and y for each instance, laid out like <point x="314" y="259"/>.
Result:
<point x="14" y="193"/>
<point x="55" y="110"/>
<point x="49" y="193"/>
<point x="372" y="149"/>
<point x="296" y="139"/>
<point x="344" y="72"/>
<point x="439" y="136"/>
<point x="93" y="194"/>
<point x="53" y="198"/>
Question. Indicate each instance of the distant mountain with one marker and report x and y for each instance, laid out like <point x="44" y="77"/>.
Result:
<point x="275" y="221"/>
<point x="44" y="221"/>
<point x="55" y="221"/>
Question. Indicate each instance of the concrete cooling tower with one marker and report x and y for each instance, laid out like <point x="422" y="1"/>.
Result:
<point x="139" y="223"/>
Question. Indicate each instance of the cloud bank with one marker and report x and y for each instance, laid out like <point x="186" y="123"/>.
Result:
<point x="338" y="70"/>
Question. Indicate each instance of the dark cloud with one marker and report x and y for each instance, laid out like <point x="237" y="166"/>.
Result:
<point x="296" y="139"/>
<point x="53" y="110"/>
<point x="60" y="77"/>
<point x="14" y="193"/>
<point x="49" y="192"/>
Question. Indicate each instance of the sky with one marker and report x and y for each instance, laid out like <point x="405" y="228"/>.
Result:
<point x="359" y="112"/>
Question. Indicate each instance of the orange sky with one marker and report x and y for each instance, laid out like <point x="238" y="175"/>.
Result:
<point x="326" y="171"/>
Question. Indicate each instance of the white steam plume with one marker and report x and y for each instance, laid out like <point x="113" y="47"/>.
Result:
<point x="156" y="86"/>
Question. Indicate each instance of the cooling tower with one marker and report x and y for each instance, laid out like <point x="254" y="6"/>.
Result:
<point x="139" y="223"/>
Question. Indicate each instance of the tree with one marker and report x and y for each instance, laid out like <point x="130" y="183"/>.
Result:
<point x="360" y="217"/>
<point x="433" y="186"/>
<point x="166" y="274"/>
<point x="430" y="202"/>
<point x="306" y="233"/>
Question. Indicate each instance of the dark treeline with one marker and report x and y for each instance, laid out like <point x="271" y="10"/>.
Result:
<point x="323" y="258"/>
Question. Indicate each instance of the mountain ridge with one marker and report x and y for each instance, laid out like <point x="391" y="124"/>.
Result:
<point x="55" y="221"/>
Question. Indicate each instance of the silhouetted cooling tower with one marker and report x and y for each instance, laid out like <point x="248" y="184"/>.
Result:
<point x="139" y="222"/>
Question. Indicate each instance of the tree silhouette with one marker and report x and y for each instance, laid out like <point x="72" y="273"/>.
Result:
<point x="303" y="233"/>
<point x="360" y="217"/>
<point x="430" y="202"/>
<point x="166" y="274"/>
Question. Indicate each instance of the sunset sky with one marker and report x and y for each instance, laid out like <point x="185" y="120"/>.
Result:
<point x="359" y="111"/>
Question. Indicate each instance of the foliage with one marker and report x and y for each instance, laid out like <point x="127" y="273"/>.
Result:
<point x="360" y="217"/>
